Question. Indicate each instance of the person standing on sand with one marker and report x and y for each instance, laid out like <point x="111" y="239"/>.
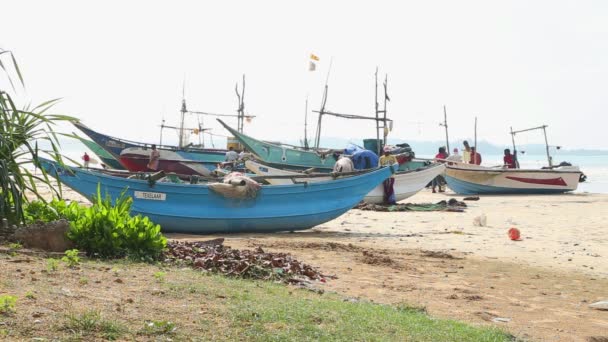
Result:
<point x="475" y="157"/>
<point x="154" y="156"/>
<point x="389" y="191"/>
<point x="437" y="181"/>
<point x="86" y="159"/>
<point x="466" y="153"/>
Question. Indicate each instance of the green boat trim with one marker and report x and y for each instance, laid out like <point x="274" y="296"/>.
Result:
<point x="280" y="155"/>
<point x="104" y="155"/>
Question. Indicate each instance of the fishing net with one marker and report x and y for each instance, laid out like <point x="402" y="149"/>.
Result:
<point x="451" y="205"/>
<point x="236" y="185"/>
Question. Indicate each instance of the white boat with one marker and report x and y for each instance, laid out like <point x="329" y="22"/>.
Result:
<point x="407" y="183"/>
<point x="467" y="179"/>
<point x="476" y="180"/>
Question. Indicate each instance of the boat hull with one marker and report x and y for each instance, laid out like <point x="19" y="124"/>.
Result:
<point x="198" y="209"/>
<point x="136" y="159"/>
<point x="115" y="147"/>
<point x="407" y="183"/>
<point x="481" y="180"/>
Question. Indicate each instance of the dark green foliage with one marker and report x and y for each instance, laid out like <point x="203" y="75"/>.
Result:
<point x="21" y="128"/>
<point x="104" y="230"/>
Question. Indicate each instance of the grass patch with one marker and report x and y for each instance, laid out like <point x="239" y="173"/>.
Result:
<point x="264" y="311"/>
<point x="90" y="324"/>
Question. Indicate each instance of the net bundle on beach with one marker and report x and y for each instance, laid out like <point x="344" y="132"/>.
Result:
<point x="236" y="185"/>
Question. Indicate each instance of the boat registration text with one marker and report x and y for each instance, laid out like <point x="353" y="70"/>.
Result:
<point x="156" y="196"/>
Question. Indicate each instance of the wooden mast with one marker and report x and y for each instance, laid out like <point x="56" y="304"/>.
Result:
<point x="445" y="125"/>
<point x="386" y="99"/>
<point x="378" y="147"/>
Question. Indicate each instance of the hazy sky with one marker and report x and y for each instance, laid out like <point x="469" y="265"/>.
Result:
<point x="119" y="65"/>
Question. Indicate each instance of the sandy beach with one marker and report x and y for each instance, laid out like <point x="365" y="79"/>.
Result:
<point x="538" y="288"/>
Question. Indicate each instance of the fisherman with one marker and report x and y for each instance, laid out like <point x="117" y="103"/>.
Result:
<point x="389" y="191"/>
<point x="509" y="159"/>
<point x="86" y="159"/>
<point x="154" y="156"/>
<point x="231" y="155"/>
<point x="438" y="181"/>
<point x="243" y="154"/>
<point x="475" y="157"/>
<point x="466" y="153"/>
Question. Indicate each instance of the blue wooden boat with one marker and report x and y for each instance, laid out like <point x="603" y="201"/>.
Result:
<point x="194" y="208"/>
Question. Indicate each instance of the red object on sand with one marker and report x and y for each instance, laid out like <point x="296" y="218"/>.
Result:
<point x="514" y="234"/>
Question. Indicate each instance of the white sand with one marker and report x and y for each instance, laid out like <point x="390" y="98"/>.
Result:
<point x="568" y="231"/>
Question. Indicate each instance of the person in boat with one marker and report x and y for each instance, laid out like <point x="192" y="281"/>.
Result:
<point x="154" y="157"/>
<point x="455" y="156"/>
<point x="231" y="155"/>
<point x="475" y="156"/>
<point x="466" y="153"/>
<point x="509" y="159"/>
<point x="389" y="184"/>
<point x="243" y="154"/>
<point x="344" y="164"/>
<point x="86" y="159"/>
<point x="438" y="181"/>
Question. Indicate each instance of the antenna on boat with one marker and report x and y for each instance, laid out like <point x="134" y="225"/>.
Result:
<point x="445" y="125"/>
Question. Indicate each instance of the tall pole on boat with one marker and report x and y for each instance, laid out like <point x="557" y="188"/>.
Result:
<point x="181" y="124"/>
<point x="475" y="155"/>
<point x="384" y="111"/>
<point x="445" y="125"/>
<point x="514" y="148"/>
<point x="306" y="124"/>
<point x="322" y="111"/>
<point x="377" y="112"/>
<point x="162" y="126"/>
<point x="241" y="108"/>
<point x="547" y="146"/>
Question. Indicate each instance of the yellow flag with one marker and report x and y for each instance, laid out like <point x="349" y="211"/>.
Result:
<point x="314" y="57"/>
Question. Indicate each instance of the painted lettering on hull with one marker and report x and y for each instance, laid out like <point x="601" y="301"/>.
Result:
<point x="154" y="196"/>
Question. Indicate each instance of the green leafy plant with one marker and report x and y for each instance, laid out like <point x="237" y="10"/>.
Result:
<point x="52" y="265"/>
<point x="105" y="229"/>
<point x="83" y="281"/>
<point x="71" y="258"/>
<point x="30" y="295"/>
<point x="7" y="304"/>
<point x="21" y="129"/>
<point x="108" y="230"/>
